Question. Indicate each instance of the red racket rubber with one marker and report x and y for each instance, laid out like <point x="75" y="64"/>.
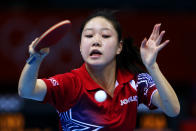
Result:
<point x="51" y="37"/>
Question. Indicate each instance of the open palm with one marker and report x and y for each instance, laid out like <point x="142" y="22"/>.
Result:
<point x="149" y="48"/>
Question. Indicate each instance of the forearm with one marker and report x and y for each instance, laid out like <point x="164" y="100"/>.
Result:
<point x="167" y="99"/>
<point x="28" y="78"/>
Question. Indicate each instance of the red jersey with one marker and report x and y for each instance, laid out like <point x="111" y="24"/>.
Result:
<point x="72" y="94"/>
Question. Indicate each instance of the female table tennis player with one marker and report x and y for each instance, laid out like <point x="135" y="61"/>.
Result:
<point x="104" y="93"/>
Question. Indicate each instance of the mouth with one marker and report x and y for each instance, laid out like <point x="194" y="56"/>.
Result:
<point x="95" y="53"/>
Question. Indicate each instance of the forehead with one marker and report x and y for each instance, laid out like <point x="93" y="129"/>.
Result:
<point x="99" y="22"/>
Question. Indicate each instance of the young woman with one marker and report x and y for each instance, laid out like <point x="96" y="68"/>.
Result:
<point x="111" y="65"/>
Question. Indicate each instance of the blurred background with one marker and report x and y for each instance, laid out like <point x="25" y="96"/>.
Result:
<point x="21" y="21"/>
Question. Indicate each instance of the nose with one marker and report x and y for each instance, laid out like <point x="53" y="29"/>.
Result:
<point x="96" y="44"/>
<point x="97" y="41"/>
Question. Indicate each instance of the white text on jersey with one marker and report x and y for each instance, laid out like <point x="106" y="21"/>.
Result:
<point x="126" y="101"/>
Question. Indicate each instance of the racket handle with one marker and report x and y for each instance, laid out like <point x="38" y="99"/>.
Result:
<point x="31" y="59"/>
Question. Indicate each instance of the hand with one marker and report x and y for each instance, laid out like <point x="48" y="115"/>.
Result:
<point x="149" y="48"/>
<point x="42" y="53"/>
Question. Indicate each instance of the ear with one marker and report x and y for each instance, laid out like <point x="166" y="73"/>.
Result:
<point x="120" y="46"/>
<point x="80" y="47"/>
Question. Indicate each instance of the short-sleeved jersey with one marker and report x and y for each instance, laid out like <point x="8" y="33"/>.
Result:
<point x="72" y="94"/>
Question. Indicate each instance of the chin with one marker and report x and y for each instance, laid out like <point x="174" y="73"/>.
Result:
<point x="99" y="62"/>
<point x="96" y="64"/>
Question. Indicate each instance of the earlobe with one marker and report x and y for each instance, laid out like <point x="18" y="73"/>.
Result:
<point x="80" y="47"/>
<point x="118" y="52"/>
<point x="120" y="47"/>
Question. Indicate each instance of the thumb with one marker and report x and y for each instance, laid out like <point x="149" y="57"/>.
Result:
<point x="143" y="44"/>
<point x="44" y="51"/>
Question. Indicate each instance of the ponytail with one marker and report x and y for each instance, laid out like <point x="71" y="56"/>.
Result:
<point x="129" y="58"/>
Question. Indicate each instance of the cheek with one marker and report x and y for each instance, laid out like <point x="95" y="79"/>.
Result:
<point x="84" y="48"/>
<point x="112" y="47"/>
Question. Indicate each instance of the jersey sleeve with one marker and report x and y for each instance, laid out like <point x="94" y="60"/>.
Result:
<point x="145" y="89"/>
<point x="62" y="91"/>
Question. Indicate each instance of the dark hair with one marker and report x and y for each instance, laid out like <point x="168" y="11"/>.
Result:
<point x="129" y="58"/>
<point x="108" y="15"/>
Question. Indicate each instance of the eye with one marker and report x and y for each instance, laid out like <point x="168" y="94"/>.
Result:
<point x="105" y="36"/>
<point x="88" y="36"/>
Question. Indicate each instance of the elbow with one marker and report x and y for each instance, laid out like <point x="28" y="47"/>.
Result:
<point x="22" y="93"/>
<point x="20" y="89"/>
<point x="175" y="112"/>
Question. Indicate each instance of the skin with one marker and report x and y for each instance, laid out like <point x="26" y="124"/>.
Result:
<point x="100" y="34"/>
<point x="165" y="98"/>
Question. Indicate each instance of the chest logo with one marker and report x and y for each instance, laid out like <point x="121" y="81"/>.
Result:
<point x="126" y="101"/>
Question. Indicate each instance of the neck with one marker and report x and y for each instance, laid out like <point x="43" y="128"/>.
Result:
<point x="104" y="76"/>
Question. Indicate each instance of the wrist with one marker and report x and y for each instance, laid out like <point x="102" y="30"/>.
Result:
<point x="153" y="67"/>
<point x="36" y="57"/>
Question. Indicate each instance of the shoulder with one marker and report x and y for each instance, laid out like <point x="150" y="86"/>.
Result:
<point x="74" y="73"/>
<point x="146" y="79"/>
<point x="67" y="77"/>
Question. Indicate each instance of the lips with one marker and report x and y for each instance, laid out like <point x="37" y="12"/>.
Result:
<point x="95" y="53"/>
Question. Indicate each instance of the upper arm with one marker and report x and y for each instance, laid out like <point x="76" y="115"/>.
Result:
<point x="39" y="91"/>
<point x="156" y="100"/>
<point x="146" y="89"/>
<point x="61" y="91"/>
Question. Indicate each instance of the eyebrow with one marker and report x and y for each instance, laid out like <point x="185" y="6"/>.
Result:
<point x="93" y="29"/>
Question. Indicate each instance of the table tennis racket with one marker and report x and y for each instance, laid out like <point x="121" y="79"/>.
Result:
<point x="51" y="37"/>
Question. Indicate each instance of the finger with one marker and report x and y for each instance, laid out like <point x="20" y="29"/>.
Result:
<point x="153" y="32"/>
<point x="31" y="50"/>
<point x="143" y="45"/>
<point x="157" y="31"/>
<point x="44" y="51"/>
<point x="152" y="36"/>
<point x="32" y="46"/>
<point x="161" y="46"/>
<point x="159" y="39"/>
<point x="34" y="43"/>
